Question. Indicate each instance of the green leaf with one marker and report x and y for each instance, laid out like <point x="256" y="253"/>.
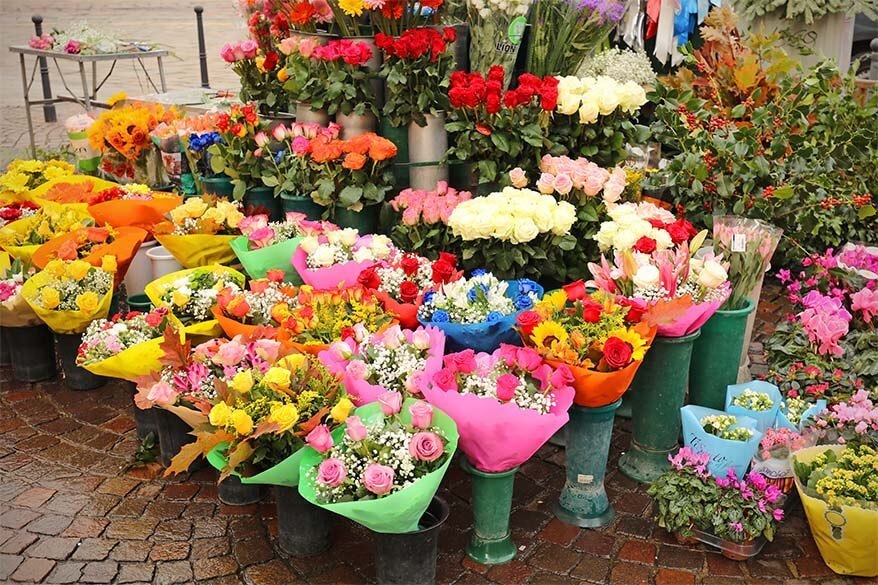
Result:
<point x="866" y="211"/>
<point x="784" y="192"/>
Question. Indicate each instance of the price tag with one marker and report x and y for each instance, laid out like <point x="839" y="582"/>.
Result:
<point x="739" y="243"/>
<point x="586" y="479"/>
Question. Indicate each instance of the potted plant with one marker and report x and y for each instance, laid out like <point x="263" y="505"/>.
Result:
<point x="773" y="458"/>
<point x="261" y="76"/>
<point x="683" y="493"/>
<point x="420" y="220"/>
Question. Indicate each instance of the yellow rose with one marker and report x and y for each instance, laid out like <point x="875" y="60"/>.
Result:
<point x="50" y="298"/>
<point x="179" y="214"/>
<point x="341" y="410"/>
<point x="282" y="74"/>
<point x="78" y="269"/>
<point x="220" y="414"/>
<point x="180" y="299"/>
<point x="87" y="301"/>
<point x="195" y="207"/>
<point x="260" y="63"/>
<point x="277" y="379"/>
<point x="293" y="362"/>
<point x="242" y="382"/>
<point x="242" y="422"/>
<point x="233" y="218"/>
<point x="215" y="215"/>
<point x="286" y="416"/>
<point x="108" y="264"/>
<point x="56" y="268"/>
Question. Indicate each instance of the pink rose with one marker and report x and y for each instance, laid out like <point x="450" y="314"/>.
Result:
<point x="378" y="478"/>
<point x="261" y="139"/>
<point x="261" y="238"/>
<point x="561" y="377"/>
<point x="462" y="361"/>
<point x="421" y="339"/>
<point x="228" y="53"/>
<point x="446" y="379"/>
<point x="266" y="349"/>
<point x="528" y="358"/>
<point x="280" y="132"/>
<point x="230" y="354"/>
<point x="506" y="385"/>
<point x="320" y="439"/>
<point x="563" y="184"/>
<point x="355" y="428"/>
<point x="422" y="414"/>
<point x="546" y="184"/>
<point x="301" y="145"/>
<point x="414" y="382"/>
<point x="249" y="47"/>
<point x="251" y="223"/>
<point x="518" y="178"/>
<point x="162" y="393"/>
<point x="238" y="52"/>
<point x="508" y="353"/>
<point x="357" y="369"/>
<point x="331" y="472"/>
<point x="410" y="216"/>
<point x="391" y="402"/>
<point x="426" y="446"/>
<point x="73" y="47"/>
<point x="288" y="46"/>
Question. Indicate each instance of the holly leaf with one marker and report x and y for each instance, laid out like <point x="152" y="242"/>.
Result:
<point x="666" y="311"/>
<point x="176" y="351"/>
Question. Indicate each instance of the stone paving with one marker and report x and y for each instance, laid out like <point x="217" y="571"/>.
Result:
<point x="70" y="512"/>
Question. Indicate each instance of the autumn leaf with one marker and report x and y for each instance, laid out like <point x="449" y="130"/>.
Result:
<point x="666" y="312"/>
<point x="309" y="425"/>
<point x="176" y="352"/>
<point x="237" y="456"/>
<point x="264" y="428"/>
<point x="204" y="444"/>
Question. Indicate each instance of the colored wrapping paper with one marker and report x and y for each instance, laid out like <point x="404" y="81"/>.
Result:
<point x="24" y="226"/>
<point x="15" y="312"/>
<point x="134" y="212"/>
<point x="783" y="422"/>
<point x="285" y="473"/>
<point x="405" y="313"/>
<point x="275" y="257"/>
<point x="485" y="336"/>
<point x="845" y="535"/>
<point x="136" y="361"/>
<point x="361" y="391"/>
<point x="196" y="250"/>
<point x="63" y="321"/>
<point x="694" y="317"/>
<point x="764" y="418"/>
<point x="5" y="262"/>
<point x="499" y="436"/>
<point x="50" y="190"/>
<point x="400" y="511"/>
<point x="123" y="247"/>
<point x="231" y="328"/>
<point x="724" y="454"/>
<point x="338" y="276"/>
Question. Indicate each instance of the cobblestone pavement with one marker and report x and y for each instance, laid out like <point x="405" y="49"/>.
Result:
<point x="70" y="513"/>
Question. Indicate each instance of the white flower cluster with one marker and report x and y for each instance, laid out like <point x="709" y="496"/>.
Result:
<point x="720" y="425"/>
<point x="751" y="400"/>
<point x="391" y="367"/>
<point x="794" y="408"/>
<point x="96" y="281"/>
<point x="526" y="396"/>
<point x="598" y="96"/>
<point x="343" y="246"/>
<point x="629" y="222"/>
<point x="514" y="215"/>
<point x="499" y="8"/>
<point x="262" y="302"/>
<point x="103" y="338"/>
<point x="623" y="65"/>
<point x="470" y="300"/>
<point x="192" y="297"/>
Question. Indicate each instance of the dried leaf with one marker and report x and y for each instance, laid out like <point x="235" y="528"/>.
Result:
<point x="264" y="428"/>
<point x="204" y="443"/>
<point x="176" y="351"/>
<point x="239" y="454"/>
<point x="666" y="312"/>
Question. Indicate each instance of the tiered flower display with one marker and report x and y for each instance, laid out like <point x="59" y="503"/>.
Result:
<point x="236" y="154"/>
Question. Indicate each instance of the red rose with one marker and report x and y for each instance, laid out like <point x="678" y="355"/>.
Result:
<point x="347" y="332"/>
<point x="154" y="319"/>
<point x="270" y="61"/>
<point x="442" y="271"/>
<point x="527" y="320"/>
<point x="645" y="244"/>
<point x="449" y="34"/>
<point x="657" y="223"/>
<point x="448" y="257"/>
<point x="575" y="290"/>
<point x="591" y="311"/>
<point x="408" y="291"/>
<point x="409" y="264"/>
<point x="617" y="353"/>
<point x="680" y="231"/>
<point x="369" y="278"/>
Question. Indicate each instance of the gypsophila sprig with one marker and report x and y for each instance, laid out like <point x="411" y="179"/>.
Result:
<point x="266" y="302"/>
<point x="192" y="296"/>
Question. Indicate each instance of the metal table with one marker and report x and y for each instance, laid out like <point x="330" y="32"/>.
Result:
<point x="88" y="99"/>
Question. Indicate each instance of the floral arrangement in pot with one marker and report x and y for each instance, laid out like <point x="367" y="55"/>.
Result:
<point x="291" y="144"/>
<point x="732" y="441"/>
<point x="392" y="360"/>
<point x="264" y="304"/>
<point x="337" y="258"/>
<point x="199" y="231"/>
<point x="478" y="312"/>
<point x="236" y="154"/>
<point x="601" y="341"/>
<point x="260" y="75"/>
<point x="422" y="225"/>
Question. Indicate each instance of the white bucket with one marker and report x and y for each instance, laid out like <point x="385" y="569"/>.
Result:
<point x="162" y="262"/>
<point x="140" y="270"/>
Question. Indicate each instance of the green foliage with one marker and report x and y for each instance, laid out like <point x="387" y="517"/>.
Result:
<point x="414" y="87"/>
<point x="681" y="497"/>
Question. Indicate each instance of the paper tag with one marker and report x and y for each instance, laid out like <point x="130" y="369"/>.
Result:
<point x="739" y="242"/>
<point x="586" y="479"/>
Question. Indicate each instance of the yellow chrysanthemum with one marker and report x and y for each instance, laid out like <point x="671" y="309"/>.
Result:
<point x="30" y="166"/>
<point x="548" y="332"/>
<point x="341" y="410"/>
<point x="15" y="182"/>
<point x="78" y="269"/>
<point x="54" y="173"/>
<point x="87" y="301"/>
<point x="638" y="344"/>
<point x="351" y="7"/>
<point x="285" y="416"/>
<point x="242" y="422"/>
<point x="220" y="414"/>
<point x="49" y="298"/>
<point x="60" y="164"/>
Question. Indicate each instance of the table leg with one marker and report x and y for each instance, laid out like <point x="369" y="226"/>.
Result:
<point x="30" y="122"/>
<point x="162" y="74"/>
<point x="85" y="93"/>
<point x="94" y="80"/>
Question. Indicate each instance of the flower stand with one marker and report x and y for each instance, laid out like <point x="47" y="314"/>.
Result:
<point x="410" y="558"/>
<point x="660" y="386"/>
<point x="583" y="501"/>
<point x="77" y="378"/>
<point x="32" y="351"/>
<point x="303" y="529"/>
<point x="491" y="542"/>
<point x="233" y="492"/>
<point x="716" y="355"/>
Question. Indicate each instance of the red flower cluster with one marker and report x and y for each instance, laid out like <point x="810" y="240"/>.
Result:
<point x="234" y="118"/>
<point x="680" y="231"/>
<point x="351" y="52"/>
<point x="13" y="211"/>
<point x="471" y="90"/>
<point x="443" y="271"/>
<point x="415" y="43"/>
<point x="301" y="13"/>
<point x="271" y="59"/>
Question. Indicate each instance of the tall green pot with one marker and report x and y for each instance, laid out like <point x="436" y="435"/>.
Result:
<point x="400" y="137"/>
<point x="660" y="387"/>
<point x="220" y="186"/>
<point x="716" y="356"/>
<point x="365" y="220"/>
<point x="301" y="204"/>
<point x="262" y="200"/>
<point x="491" y="540"/>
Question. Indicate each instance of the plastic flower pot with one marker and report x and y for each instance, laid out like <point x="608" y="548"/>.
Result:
<point x="660" y="387"/>
<point x="162" y="262"/>
<point x="115" y="303"/>
<point x="234" y="493"/>
<point x="716" y="355"/>
<point x="262" y="200"/>
<point x="32" y="350"/>
<point x="355" y="124"/>
<point x="77" y="378"/>
<point x="305" y="115"/>
<point x="173" y="434"/>
<point x="365" y="220"/>
<point x="303" y="529"/>
<point x="301" y="204"/>
<point x="140" y="302"/>
<point x="144" y="419"/>
<point x="399" y="137"/>
<point x="5" y="356"/>
<point x="140" y="270"/>
<point x="410" y="558"/>
<point x="490" y="542"/>
<point x="583" y="501"/>
<point x="219" y="186"/>
<point x="427" y="146"/>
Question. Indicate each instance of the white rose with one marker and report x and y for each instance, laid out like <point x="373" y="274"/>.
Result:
<point x="625" y="239"/>
<point x="543" y="216"/>
<point x="362" y="255"/>
<point x="712" y="274"/>
<point x="525" y="231"/>
<point x="348" y="236"/>
<point x="662" y="239"/>
<point x="334" y="237"/>
<point x="631" y="97"/>
<point x="323" y="256"/>
<point x="588" y="112"/>
<point x="308" y="244"/>
<point x="563" y="218"/>
<point x="606" y="92"/>
<point x="606" y="234"/>
<point x="380" y="246"/>
<point x="503" y="227"/>
<point x="646" y="277"/>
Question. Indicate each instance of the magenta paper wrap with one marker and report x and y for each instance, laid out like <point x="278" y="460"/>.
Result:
<point x="362" y="392"/>
<point x="497" y="436"/>
<point x="694" y="317"/>
<point x="338" y="276"/>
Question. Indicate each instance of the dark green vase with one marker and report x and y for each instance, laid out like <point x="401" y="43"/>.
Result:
<point x="660" y="387"/>
<point x="716" y="356"/>
<point x="365" y="220"/>
<point x="261" y="200"/>
<point x="301" y="204"/>
<point x="140" y="303"/>
<point x="491" y="541"/>
<point x="219" y="186"/>
<point x="583" y="501"/>
<point x="400" y="137"/>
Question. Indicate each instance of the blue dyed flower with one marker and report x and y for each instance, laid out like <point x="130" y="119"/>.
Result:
<point x="428" y="297"/>
<point x="523" y="302"/>
<point x="494" y="316"/>
<point x="479" y="272"/>
<point x="471" y="295"/>
<point x="279" y="156"/>
<point x="526" y="285"/>
<point x="440" y="316"/>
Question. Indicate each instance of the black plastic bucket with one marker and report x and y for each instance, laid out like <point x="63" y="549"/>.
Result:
<point x="303" y="529"/>
<point x="410" y="558"/>
<point x="173" y="434"/>
<point x="32" y="350"/>
<point x="5" y="356"/>
<point x="77" y="378"/>
<point x="144" y="420"/>
<point x="234" y="493"/>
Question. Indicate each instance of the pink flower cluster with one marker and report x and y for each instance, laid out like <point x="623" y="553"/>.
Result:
<point x="562" y="175"/>
<point x="859" y="414"/>
<point x="351" y="52"/>
<point x="238" y="51"/>
<point x="44" y="42"/>
<point x="779" y="443"/>
<point x="8" y="289"/>
<point x="866" y="301"/>
<point x="825" y="321"/>
<point x="260" y="234"/>
<point x="686" y="458"/>
<point x="755" y="486"/>
<point x="863" y="259"/>
<point x="428" y="206"/>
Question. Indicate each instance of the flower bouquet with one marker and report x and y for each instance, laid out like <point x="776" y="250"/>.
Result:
<point x="336" y="259"/>
<point x="266" y="246"/>
<point x="15" y="210"/>
<point x="422" y="223"/>
<point x="506" y="404"/>
<point x="67" y="296"/>
<point x="496" y="29"/>
<point x="757" y="399"/>
<point x="264" y="305"/>
<point x="392" y="360"/>
<point x="191" y="295"/>
<point x="22" y="176"/>
<point x="748" y="245"/>
<point x="132" y="205"/>
<point x="198" y="232"/>
<point x="732" y="441"/>
<point x="400" y="282"/>
<point x="126" y="346"/>
<point x="352" y="472"/>
<point x="87" y="158"/>
<point x="518" y="232"/>
<point x="601" y="341"/>
<point x="321" y="317"/>
<point x="795" y="411"/>
<point x="21" y="238"/>
<point x="14" y="310"/>
<point x="94" y="245"/>
<point x="773" y="460"/>
<point x="478" y="312"/>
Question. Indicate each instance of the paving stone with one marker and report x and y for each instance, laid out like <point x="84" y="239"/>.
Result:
<point x="674" y="577"/>
<point x="553" y="558"/>
<point x="85" y="527"/>
<point x="18" y="543"/>
<point x="638" y="551"/>
<point x="66" y="572"/>
<point x="205" y="548"/>
<point x="252" y="551"/>
<point x="126" y="529"/>
<point x="213" y="567"/>
<point x="51" y="524"/>
<point x="8" y="564"/>
<point x="34" y="497"/>
<point x="131" y="550"/>
<point x="93" y="549"/>
<point x="595" y="543"/>
<point x="560" y="533"/>
<point x="16" y="519"/>
<point x="174" y="530"/>
<point x="272" y="573"/>
<point x="510" y="573"/>
<point x="592" y="569"/>
<point x="101" y="572"/>
<point x="677" y="557"/>
<point x="33" y="570"/>
<point x="173" y="572"/>
<point x="169" y="551"/>
<point x="53" y="547"/>
<point x="135" y="572"/>
<point x="629" y="574"/>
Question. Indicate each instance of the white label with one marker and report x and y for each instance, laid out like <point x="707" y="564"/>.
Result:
<point x="739" y="242"/>
<point x="586" y="479"/>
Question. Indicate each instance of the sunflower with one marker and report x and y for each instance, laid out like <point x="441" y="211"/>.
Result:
<point x="556" y="300"/>
<point x="631" y="337"/>
<point x="547" y="333"/>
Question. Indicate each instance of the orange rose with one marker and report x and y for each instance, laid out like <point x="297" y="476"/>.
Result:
<point x="67" y="251"/>
<point x="381" y="149"/>
<point x="97" y="235"/>
<point x="360" y="144"/>
<point x="354" y="161"/>
<point x="324" y="151"/>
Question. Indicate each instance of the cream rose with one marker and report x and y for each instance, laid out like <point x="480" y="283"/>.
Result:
<point x="646" y="277"/>
<point x="712" y="274"/>
<point x="525" y="230"/>
<point x="309" y="244"/>
<point x="323" y="256"/>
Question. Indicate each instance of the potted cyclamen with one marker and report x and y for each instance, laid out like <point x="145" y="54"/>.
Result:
<point x="415" y="72"/>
